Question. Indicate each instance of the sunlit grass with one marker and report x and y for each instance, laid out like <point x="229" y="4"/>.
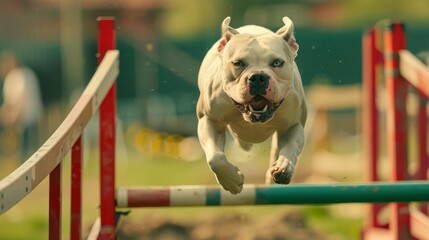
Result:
<point x="29" y="219"/>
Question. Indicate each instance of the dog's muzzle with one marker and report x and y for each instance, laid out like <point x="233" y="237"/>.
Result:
<point x="258" y="83"/>
<point x="259" y="109"/>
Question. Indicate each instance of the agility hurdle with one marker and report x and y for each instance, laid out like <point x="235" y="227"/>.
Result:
<point x="186" y="196"/>
<point x="387" y="63"/>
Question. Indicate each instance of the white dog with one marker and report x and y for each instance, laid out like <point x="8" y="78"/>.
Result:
<point x="250" y="84"/>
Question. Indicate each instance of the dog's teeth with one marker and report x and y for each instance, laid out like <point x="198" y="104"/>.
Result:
<point x="265" y="108"/>
<point x="250" y="108"/>
<point x="262" y="111"/>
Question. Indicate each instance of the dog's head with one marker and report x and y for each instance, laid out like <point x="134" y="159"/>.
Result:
<point x="258" y="67"/>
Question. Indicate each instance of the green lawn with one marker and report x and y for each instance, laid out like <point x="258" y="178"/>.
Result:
<point x="29" y="219"/>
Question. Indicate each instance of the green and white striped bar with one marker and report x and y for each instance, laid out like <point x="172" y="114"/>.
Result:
<point x="406" y="191"/>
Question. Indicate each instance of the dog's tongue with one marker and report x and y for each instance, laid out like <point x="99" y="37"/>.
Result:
<point x="258" y="103"/>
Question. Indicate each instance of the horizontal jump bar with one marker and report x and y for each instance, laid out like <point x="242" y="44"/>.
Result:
<point x="380" y="192"/>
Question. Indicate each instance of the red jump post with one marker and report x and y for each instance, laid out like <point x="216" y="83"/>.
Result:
<point x="372" y="63"/>
<point x="386" y="62"/>
<point x="397" y="89"/>
<point x="106" y="41"/>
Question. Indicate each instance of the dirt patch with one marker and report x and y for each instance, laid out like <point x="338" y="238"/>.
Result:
<point x="281" y="226"/>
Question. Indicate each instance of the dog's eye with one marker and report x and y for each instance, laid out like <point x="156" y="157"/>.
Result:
<point x="238" y="64"/>
<point x="277" y="63"/>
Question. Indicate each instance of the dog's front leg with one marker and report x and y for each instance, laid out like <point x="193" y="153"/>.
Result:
<point x="284" y="154"/>
<point x="212" y="139"/>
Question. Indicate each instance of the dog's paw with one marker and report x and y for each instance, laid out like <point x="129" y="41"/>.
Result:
<point x="228" y="175"/>
<point x="282" y="171"/>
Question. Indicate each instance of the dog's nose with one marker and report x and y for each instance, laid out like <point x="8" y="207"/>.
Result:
<point x="258" y="83"/>
<point x="259" y="79"/>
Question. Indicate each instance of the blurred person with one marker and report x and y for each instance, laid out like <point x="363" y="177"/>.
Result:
<point x="21" y="107"/>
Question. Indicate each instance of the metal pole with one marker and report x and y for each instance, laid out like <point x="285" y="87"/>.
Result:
<point x="396" y="86"/>
<point x="106" y="41"/>
<point x="372" y="61"/>
<point x="76" y="190"/>
<point x="55" y="203"/>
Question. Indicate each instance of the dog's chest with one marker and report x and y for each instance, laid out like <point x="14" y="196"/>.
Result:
<point x="252" y="133"/>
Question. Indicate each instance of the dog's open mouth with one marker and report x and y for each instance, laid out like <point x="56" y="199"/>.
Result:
<point x="259" y="109"/>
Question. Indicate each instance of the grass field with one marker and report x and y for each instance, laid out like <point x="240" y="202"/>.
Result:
<point x="28" y="219"/>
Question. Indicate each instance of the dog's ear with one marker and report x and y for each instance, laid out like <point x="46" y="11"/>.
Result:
<point x="227" y="33"/>
<point x="286" y="32"/>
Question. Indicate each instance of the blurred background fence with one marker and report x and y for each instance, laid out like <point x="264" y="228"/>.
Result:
<point x="163" y="42"/>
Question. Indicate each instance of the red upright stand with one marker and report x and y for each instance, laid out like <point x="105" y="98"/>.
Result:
<point x="76" y="190"/>
<point x="106" y="41"/>
<point x="372" y="63"/>
<point x="55" y="203"/>
<point x="396" y="86"/>
<point x="381" y="51"/>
